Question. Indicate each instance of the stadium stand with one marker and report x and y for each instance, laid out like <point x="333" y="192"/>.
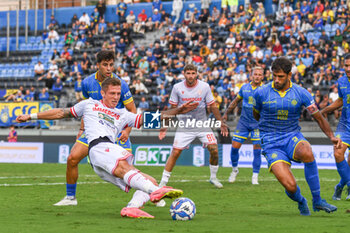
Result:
<point x="224" y="42"/>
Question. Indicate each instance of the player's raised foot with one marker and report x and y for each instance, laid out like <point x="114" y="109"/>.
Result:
<point x="216" y="183"/>
<point x="323" y="205"/>
<point x="165" y="192"/>
<point x="133" y="212"/>
<point x="233" y="176"/>
<point x="160" y="203"/>
<point x="67" y="200"/>
<point x="304" y="208"/>
<point x="337" y="193"/>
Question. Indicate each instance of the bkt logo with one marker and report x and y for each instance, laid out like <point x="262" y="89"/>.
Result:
<point x="151" y="120"/>
<point x="152" y="155"/>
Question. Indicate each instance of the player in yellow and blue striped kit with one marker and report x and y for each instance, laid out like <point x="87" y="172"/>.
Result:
<point x="277" y="107"/>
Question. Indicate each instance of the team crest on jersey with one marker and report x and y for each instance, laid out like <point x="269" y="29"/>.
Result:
<point x="106" y="117"/>
<point x="274" y="155"/>
<point x="294" y="102"/>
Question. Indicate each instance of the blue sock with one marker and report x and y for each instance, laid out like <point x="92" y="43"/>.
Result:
<point x="295" y="196"/>
<point x="71" y="188"/>
<point x="234" y="156"/>
<point x="257" y="160"/>
<point x="344" y="172"/>
<point x="311" y="176"/>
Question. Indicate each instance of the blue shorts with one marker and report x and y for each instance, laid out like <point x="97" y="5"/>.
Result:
<point x="242" y="133"/>
<point x="126" y="145"/>
<point x="282" y="151"/>
<point x="343" y="134"/>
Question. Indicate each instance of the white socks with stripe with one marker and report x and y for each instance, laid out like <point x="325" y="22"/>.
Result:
<point x="213" y="170"/>
<point x="137" y="181"/>
<point x="165" y="178"/>
<point x="138" y="199"/>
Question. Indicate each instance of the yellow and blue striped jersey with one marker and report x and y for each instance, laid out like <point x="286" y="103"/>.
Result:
<point x="344" y="93"/>
<point x="91" y="87"/>
<point x="280" y="111"/>
<point x="246" y="93"/>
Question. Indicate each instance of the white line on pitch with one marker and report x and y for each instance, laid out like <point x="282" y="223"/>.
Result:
<point x="173" y="181"/>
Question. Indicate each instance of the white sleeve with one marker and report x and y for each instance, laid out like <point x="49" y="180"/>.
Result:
<point x="209" y="98"/>
<point x="174" y="98"/>
<point x="132" y="120"/>
<point x="78" y="109"/>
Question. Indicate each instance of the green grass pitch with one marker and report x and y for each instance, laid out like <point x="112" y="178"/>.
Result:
<point x="27" y="193"/>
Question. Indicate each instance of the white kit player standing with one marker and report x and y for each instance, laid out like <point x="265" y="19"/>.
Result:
<point x="192" y="89"/>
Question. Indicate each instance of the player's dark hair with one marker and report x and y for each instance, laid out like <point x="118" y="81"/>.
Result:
<point x="347" y="56"/>
<point x="282" y="63"/>
<point x="105" y="55"/>
<point x="190" y="67"/>
<point x="110" y="82"/>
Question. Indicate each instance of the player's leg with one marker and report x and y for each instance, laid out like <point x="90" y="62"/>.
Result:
<point x="236" y="145"/>
<point x="77" y="153"/>
<point x="239" y="136"/>
<point x="181" y="141"/>
<point x="343" y="170"/>
<point x="303" y="152"/>
<point x="256" y="163"/>
<point x="284" y="175"/>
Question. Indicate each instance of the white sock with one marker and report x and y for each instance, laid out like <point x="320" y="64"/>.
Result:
<point x="213" y="170"/>
<point x="165" y="178"/>
<point x="137" y="181"/>
<point x="138" y="199"/>
<point x="235" y="169"/>
<point x="255" y="175"/>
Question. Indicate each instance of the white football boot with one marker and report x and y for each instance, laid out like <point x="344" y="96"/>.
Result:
<point x="67" y="200"/>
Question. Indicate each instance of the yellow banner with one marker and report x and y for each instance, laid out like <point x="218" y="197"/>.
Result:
<point x="10" y="111"/>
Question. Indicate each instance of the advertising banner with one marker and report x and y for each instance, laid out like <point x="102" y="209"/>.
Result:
<point x="63" y="153"/>
<point x="154" y="155"/>
<point x="322" y="153"/>
<point x="10" y="111"/>
<point x="21" y="152"/>
<point x="44" y="106"/>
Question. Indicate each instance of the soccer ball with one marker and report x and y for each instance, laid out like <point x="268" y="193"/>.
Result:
<point x="182" y="209"/>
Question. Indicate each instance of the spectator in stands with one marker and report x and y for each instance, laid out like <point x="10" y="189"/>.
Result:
<point x="65" y="56"/>
<point x="44" y="36"/>
<point x="69" y="39"/>
<point x="177" y="9"/>
<point x="143" y="105"/>
<point x="44" y="95"/>
<point x="157" y="5"/>
<point x="90" y="41"/>
<point x="141" y="21"/>
<point x="53" y="23"/>
<point x="61" y="74"/>
<point x="126" y="78"/>
<point x="53" y="37"/>
<point x="76" y="69"/>
<point x="57" y="90"/>
<point x="53" y="69"/>
<point x="55" y="56"/>
<point x="18" y="97"/>
<point x="85" y="19"/>
<point x="101" y="7"/>
<point x="165" y="19"/>
<point x="140" y="88"/>
<point x="142" y="68"/>
<point x="78" y="89"/>
<point x="102" y="27"/>
<point x="131" y="19"/>
<point x="187" y="17"/>
<point x="156" y="17"/>
<point x="120" y="47"/>
<point x="86" y="63"/>
<point x="12" y="135"/>
<point x="195" y="16"/>
<point x="29" y="97"/>
<point x="74" y="19"/>
<point x="39" y="69"/>
<point x="121" y="10"/>
<point x="319" y="8"/>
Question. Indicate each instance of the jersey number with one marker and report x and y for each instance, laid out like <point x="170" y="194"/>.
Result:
<point x="211" y="138"/>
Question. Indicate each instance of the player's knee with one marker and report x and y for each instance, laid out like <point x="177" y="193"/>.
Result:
<point x="73" y="160"/>
<point x="338" y="155"/>
<point x="291" y="186"/>
<point x="213" y="150"/>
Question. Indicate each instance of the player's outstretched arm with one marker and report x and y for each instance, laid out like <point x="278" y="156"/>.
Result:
<point x="324" y="125"/>
<point x="215" y="110"/>
<point x="231" y="107"/>
<point x="185" y="108"/>
<point x="334" y="106"/>
<point x="52" y="114"/>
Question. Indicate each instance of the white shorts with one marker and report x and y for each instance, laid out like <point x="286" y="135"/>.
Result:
<point x="105" y="157"/>
<point x="183" y="139"/>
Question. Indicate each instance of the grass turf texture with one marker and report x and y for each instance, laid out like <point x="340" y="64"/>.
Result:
<point x="238" y="207"/>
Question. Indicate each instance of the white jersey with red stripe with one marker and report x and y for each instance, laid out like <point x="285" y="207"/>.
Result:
<point x="102" y="121"/>
<point x="200" y="93"/>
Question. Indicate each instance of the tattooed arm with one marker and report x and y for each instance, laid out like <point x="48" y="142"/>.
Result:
<point x="52" y="114"/>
